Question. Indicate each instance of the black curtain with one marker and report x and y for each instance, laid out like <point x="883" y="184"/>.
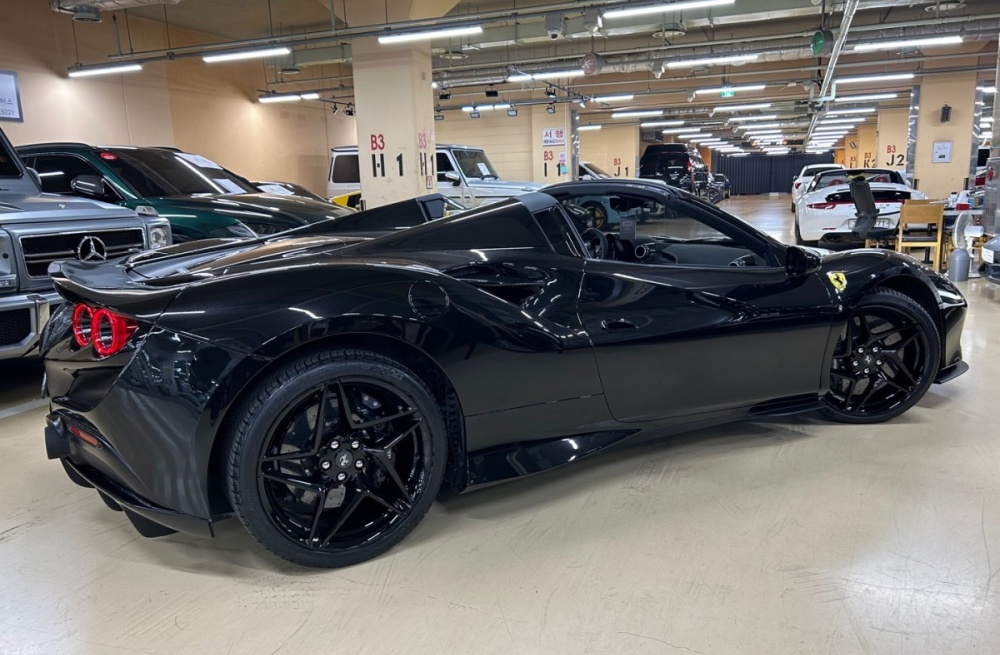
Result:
<point x="764" y="173"/>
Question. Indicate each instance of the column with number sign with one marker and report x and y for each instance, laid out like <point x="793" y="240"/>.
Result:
<point x="867" y="146"/>
<point x="550" y="144"/>
<point x="893" y="133"/>
<point x="395" y="121"/>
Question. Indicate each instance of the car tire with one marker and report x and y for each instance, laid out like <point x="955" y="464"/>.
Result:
<point x="326" y="483"/>
<point x="798" y="237"/>
<point x="598" y="215"/>
<point x="885" y="359"/>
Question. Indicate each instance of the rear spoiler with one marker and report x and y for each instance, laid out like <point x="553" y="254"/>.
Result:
<point x="108" y="285"/>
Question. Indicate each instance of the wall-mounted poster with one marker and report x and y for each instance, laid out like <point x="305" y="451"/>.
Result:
<point x="10" y="98"/>
<point x="942" y="152"/>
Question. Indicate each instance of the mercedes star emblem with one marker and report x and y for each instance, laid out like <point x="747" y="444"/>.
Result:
<point x="91" y="249"/>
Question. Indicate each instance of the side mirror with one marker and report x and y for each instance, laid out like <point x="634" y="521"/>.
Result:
<point x="90" y="186"/>
<point x="800" y="262"/>
<point x="453" y="177"/>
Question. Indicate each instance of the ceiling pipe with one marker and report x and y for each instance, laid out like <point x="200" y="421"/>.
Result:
<point x="845" y="26"/>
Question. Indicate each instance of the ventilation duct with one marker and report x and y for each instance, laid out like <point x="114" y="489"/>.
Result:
<point x="89" y="11"/>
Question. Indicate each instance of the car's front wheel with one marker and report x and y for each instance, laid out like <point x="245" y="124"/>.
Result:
<point x="335" y="457"/>
<point x="885" y="360"/>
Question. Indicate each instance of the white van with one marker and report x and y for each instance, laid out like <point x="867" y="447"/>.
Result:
<point x="463" y="173"/>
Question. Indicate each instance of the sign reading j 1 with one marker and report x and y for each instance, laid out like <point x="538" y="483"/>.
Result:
<point x="10" y="98"/>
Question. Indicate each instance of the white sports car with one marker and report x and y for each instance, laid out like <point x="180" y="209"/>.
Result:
<point x="826" y="212"/>
<point x="801" y="182"/>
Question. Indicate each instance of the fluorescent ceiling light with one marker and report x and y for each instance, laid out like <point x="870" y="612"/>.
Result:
<point x="677" y="130"/>
<point x="312" y="95"/>
<point x="842" y="121"/>
<point x="104" y="70"/>
<point x="622" y="97"/>
<point x="279" y="97"/>
<point x="857" y="110"/>
<point x="870" y="96"/>
<point x="472" y="108"/>
<point x="527" y="77"/>
<point x="713" y="139"/>
<point x="247" y="54"/>
<point x="665" y="8"/>
<point x="755" y="105"/>
<point x="762" y="132"/>
<point x="708" y="61"/>
<point x="888" y="77"/>
<point x="986" y="119"/>
<point x="427" y="35"/>
<point x="589" y="127"/>
<point x="720" y="89"/>
<point x="637" y="114"/>
<point x="760" y="117"/>
<point x="691" y="135"/>
<point x="987" y="89"/>
<point x="907" y="43"/>
<point x="664" y="124"/>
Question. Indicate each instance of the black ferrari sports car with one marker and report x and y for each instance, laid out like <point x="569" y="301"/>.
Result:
<point x="322" y="388"/>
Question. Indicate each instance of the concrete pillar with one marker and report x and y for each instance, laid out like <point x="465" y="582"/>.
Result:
<point x="867" y="145"/>
<point x="941" y="159"/>
<point x="995" y="145"/>
<point x="891" y="139"/>
<point x="550" y="143"/>
<point x="851" y="142"/>
<point x="614" y="148"/>
<point x="395" y="121"/>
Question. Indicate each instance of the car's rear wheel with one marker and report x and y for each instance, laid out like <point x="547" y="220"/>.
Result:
<point x="798" y="236"/>
<point x="885" y="359"/>
<point x="335" y="457"/>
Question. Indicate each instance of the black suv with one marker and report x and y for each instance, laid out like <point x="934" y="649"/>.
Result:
<point x="677" y="164"/>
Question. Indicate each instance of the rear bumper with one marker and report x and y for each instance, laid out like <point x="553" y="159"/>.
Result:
<point x="22" y="318"/>
<point x="149" y="519"/>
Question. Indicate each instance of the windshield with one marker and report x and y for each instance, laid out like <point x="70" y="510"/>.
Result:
<point x="474" y="164"/>
<point x="8" y="162"/>
<point x="160" y="173"/>
<point x="872" y="176"/>
<point x="809" y="171"/>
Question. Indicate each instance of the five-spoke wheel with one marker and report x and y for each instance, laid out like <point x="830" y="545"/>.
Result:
<point x="885" y="359"/>
<point x="336" y="458"/>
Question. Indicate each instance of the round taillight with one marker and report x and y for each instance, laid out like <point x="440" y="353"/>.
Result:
<point x="109" y="332"/>
<point x="83" y="318"/>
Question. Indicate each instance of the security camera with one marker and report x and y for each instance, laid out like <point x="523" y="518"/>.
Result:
<point x="554" y="25"/>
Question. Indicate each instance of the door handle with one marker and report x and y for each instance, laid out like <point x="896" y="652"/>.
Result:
<point x="617" y="325"/>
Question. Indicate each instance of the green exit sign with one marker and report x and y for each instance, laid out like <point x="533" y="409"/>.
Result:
<point x="728" y="93"/>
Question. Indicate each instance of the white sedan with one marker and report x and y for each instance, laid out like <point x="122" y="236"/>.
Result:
<point x="801" y="182"/>
<point x="825" y="212"/>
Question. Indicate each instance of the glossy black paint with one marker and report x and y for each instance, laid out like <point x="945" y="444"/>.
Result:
<point x="545" y="355"/>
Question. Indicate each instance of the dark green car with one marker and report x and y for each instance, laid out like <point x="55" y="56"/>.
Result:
<point x="200" y="198"/>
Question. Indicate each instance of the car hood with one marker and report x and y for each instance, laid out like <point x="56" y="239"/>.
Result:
<point x="286" y="211"/>
<point x="47" y="207"/>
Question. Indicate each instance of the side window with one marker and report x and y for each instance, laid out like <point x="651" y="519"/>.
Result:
<point x="443" y="166"/>
<point x="345" y="169"/>
<point x="58" y="171"/>
<point x="558" y="233"/>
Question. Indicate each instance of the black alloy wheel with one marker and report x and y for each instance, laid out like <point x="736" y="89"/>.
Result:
<point x="336" y="457"/>
<point x="885" y="360"/>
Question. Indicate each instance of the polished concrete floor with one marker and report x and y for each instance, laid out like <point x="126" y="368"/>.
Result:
<point x="783" y="536"/>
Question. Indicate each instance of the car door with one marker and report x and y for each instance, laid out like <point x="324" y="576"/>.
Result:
<point x="713" y="322"/>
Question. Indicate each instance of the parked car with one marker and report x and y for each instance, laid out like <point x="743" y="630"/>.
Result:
<point x="200" y="198"/>
<point x="677" y="164"/>
<point x="722" y="183"/>
<point x="591" y="171"/>
<point x="38" y="229"/>
<point x="288" y="189"/>
<point x="990" y="254"/>
<point x="826" y="212"/>
<point x="353" y="200"/>
<point x="801" y="181"/>
<point x="322" y="389"/>
<point x="463" y="173"/>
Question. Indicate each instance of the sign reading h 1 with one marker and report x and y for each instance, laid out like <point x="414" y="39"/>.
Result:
<point x="553" y="136"/>
<point x="10" y="98"/>
<point x="728" y="93"/>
